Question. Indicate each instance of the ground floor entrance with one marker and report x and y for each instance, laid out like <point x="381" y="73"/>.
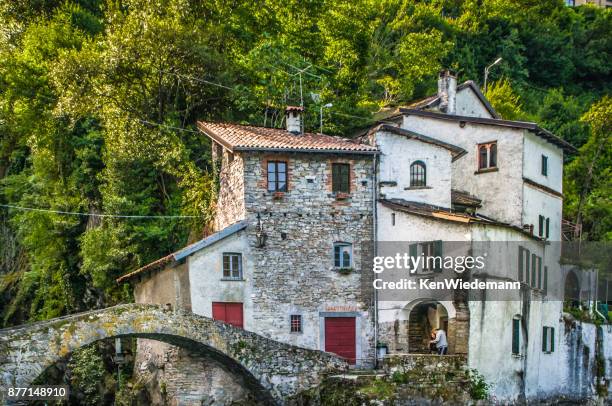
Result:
<point x="340" y="333"/>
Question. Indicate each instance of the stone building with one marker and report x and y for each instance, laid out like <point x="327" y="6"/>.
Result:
<point x="300" y="217"/>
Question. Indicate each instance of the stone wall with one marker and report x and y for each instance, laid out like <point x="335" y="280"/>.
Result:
<point x="230" y="201"/>
<point x="294" y="272"/>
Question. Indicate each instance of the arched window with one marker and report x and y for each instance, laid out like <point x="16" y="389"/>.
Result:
<point x="418" y="174"/>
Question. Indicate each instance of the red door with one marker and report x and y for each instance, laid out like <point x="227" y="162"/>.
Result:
<point x="230" y="313"/>
<point x="340" y="337"/>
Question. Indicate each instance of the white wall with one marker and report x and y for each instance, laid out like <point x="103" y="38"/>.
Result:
<point x="536" y="203"/>
<point x="398" y="153"/>
<point x="500" y="191"/>
<point x="534" y="148"/>
<point x="206" y="273"/>
<point x="468" y="104"/>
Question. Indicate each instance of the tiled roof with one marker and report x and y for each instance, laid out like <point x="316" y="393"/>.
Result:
<point x="188" y="250"/>
<point x="238" y="137"/>
<point x="446" y="214"/>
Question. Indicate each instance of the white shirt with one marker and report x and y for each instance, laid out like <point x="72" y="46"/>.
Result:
<point x="440" y="339"/>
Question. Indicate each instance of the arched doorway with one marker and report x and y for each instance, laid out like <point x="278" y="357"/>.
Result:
<point x="423" y="318"/>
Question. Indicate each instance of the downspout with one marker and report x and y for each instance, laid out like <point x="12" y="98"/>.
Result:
<point x="375" y="253"/>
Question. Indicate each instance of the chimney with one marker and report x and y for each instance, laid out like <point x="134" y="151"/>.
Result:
<point x="294" y="119"/>
<point x="447" y="91"/>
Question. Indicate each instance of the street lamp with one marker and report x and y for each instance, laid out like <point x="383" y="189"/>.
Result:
<point x="498" y="60"/>
<point x="328" y="105"/>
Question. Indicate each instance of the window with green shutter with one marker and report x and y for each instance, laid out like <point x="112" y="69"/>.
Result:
<point x="516" y="333"/>
<point x="544" y="165"/>
<point x="520" y="263"/>
<point x="438" y="256"/>
<point x="341" y="178"/>
<point x="539" y="273"/>
<point x="533" y="269"/>
<point x="548" y="339"/>
<point x="545" y="287"/>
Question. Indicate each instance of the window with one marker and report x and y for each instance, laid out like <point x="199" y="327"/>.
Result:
<point x="487" y="156"/>
<point x="516" y="333"/>
<point x="296" y="323"/>
<point x="544" y="226"/>
<point x="548" y="339"/>
<point x="418" y="174"/>
<point x="342" y="255"/>
<point x="232" y="266"/>
<point x="392" y="219"/>
<point x="277" y="176"/>
<point x="341" y="178"/>
<point x="544" y="165"/>
<point x="432" y="255"/>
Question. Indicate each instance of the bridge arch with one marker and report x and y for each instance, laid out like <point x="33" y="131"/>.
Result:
<point x="272" y="370"/>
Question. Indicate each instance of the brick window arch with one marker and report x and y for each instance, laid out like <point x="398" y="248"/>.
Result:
<point x="418" y="174"/>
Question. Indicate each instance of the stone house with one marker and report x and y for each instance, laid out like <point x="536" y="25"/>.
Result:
<point x="300" y="217"/>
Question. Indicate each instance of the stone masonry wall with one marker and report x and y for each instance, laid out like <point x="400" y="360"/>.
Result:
<point x="294" y="272"/>
<point x="230" y="201"/>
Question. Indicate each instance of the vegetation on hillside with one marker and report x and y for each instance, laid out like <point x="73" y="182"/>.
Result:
<point x="99" y="99"/>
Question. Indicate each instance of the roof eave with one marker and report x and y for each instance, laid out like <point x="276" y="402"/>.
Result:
<point x="307" y="150"/>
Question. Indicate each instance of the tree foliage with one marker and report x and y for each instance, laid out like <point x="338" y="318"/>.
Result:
<point x="99" y="99"/>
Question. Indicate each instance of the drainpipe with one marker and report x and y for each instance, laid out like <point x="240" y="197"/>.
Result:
<point x="375" y="253"/>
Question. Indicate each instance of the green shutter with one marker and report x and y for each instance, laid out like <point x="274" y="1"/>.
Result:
<point x="544" y="331"/>
<point x="438" y="254"/>
<point x="539" y="273"/>
<point x="520" y="264"/>
<point x="540" y="225"/>
<point x="545" y="279"/>
<point x="552" y="339"/>
<point x="346" y="175"/>
<point x="547" y="228"/>
<point x="516" y="331"/>
<point x="527" y="261"/>
<point x="533" y="269"/>
<point x="413" y="251"/>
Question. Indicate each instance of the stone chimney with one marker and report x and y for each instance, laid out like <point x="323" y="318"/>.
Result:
<point x="447" y="91"/>
<point x="294" y="119"/>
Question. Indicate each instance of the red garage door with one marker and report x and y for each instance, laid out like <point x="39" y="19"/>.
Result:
<point x="231" y="313"/>
<point x="340" y="337"/>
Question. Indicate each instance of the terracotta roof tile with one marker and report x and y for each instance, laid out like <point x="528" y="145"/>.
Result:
<point x="238" y="137"/>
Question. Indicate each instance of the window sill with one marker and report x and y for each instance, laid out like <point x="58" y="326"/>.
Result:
<point x="387" y="183"/>
<point x="417" y="187"/>
<point x="341" y="195"/>
<point x="233" y="279"/>
<point x="344" y="271"/>
<point x="486" y="170"/>
<point x="296" y="332"/>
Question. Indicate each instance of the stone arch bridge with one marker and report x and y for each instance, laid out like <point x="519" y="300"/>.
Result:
<point x="272" y="370"/>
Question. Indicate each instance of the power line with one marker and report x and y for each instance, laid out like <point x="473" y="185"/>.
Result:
<point x="72" y="213"/>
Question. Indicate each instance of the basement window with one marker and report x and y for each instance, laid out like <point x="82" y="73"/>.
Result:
<point x="296" y="323"/>
<point x="232" y="266"/>
<point x="487" y="156"/>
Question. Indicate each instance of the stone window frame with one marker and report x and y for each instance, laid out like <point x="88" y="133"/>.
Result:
<point x="231" y="277"/>
<point x="278" y="157"/>
<point x="491" y="157"/>
<point x="339" y="187"/>
<point x="548" y="339"/>
<point x="276" y="163"/>
<point x="352" y="178"/>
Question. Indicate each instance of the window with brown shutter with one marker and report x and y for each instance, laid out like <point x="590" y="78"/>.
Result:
<point x="341" y="178"/>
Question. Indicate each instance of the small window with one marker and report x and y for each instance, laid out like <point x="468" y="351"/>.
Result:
<point x="277" y="176"/>
<point x="487" y="155"/>
<point x="541" y="225"/>
<point x="296" y="323"/>
<point x="392" y="219"/>
<point x="341" y="178"/>
<point x="548" y="339"/>
<point x="516" y="334"/>
<point x="343" y="253"/>
<point x="544" y="165"/>
<point x="418" y="174"/>
<point x="547" y="228"/>
<point x="232" y="266"/>
<point x="544" y="226"/>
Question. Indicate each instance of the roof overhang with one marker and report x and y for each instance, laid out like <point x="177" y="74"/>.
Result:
<point x="533" y="127"/>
